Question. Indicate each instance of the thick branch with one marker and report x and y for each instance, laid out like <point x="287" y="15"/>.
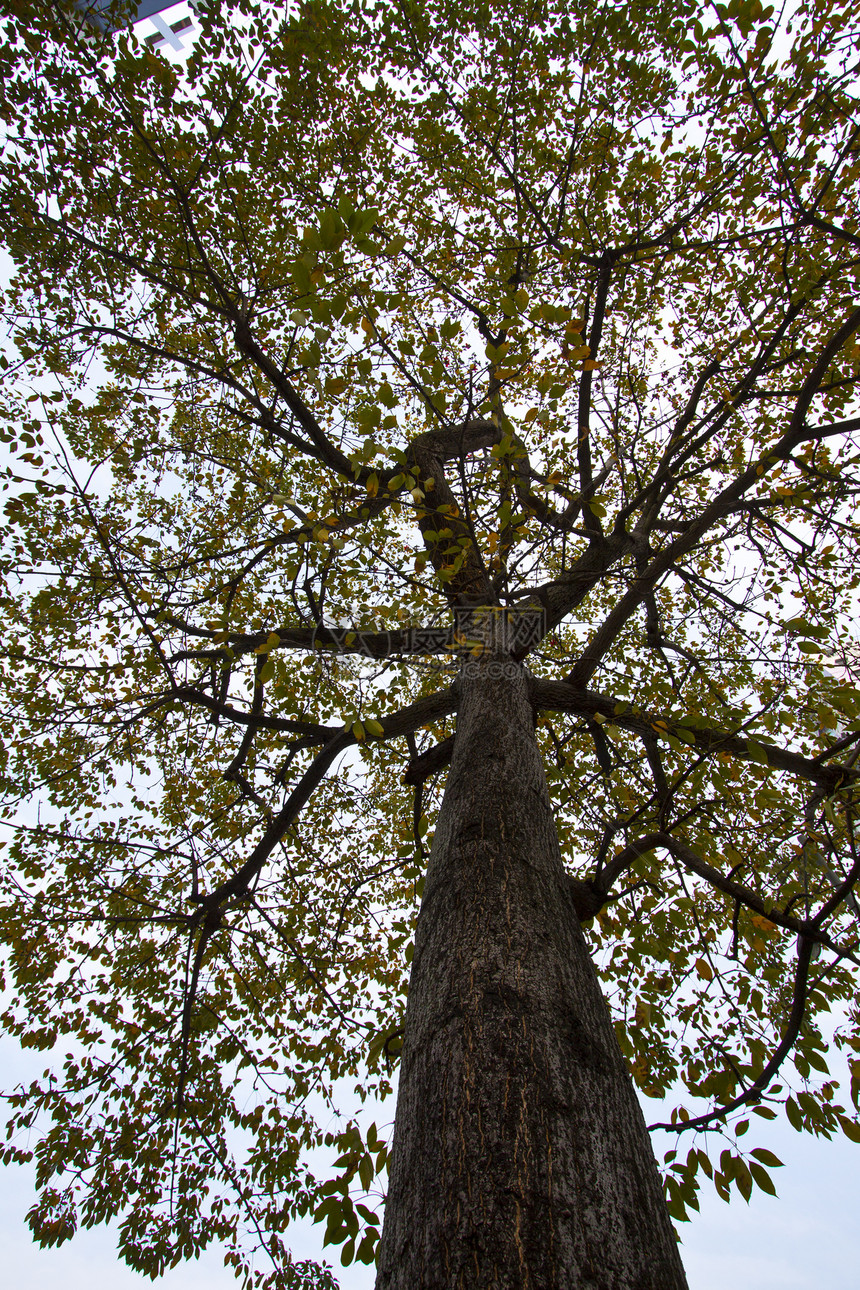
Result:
<point x="808" y="928"/>
<point x="760" y="1083"/>
<point x="410" y="718"/>
<point x="326" y="450"/>
<point x="561" y="596"/>
<point x="342" y="640"/>
<point x="721" y="506"/>
<point x="429" y="762"/>
<point x="561" y="696"/>
<point x="255" y="719"/>
<point x="441" y="513"/>
<point x="583" y="450"/>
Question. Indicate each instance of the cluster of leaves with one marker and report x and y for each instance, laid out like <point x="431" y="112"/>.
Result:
<point x="360" y="316"/>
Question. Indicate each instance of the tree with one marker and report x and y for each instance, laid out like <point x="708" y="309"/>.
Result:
<point x="393" y="388"/>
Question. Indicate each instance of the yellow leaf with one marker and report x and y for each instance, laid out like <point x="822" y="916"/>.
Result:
<point x="763" y="924"/>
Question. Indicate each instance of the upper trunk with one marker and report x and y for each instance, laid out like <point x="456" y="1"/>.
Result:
<point x="520" y="1155"/>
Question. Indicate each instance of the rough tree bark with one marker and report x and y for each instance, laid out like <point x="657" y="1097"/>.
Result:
<point x="520" y="1155"/>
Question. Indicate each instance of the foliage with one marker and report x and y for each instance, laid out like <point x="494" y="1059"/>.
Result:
<point x="363" y="314"/>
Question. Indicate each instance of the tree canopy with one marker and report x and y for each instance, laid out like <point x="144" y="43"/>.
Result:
<point x="364" y="327"/>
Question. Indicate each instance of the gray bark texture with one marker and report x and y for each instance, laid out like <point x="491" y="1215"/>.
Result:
<point x="520" y="1159"/>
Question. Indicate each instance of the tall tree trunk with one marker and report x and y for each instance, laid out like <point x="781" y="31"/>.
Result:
<point x="520" y="1155"/>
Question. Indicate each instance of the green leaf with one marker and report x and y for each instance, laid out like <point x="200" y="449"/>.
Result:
<point x="743" y="1179"/>
<point x="792" y="1110"/>
<point x="817" y="1061"/>
<point x="366" y="1172"/>
<point x="766" y="1157"/>
<point x="332" y="231"/>
<point x="762" y="1179"/>
<point x="800" y="627"/>
<point x="301" y="277"/>
<point x="366" y="1251"/>
<point x="850" y="1128"/>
